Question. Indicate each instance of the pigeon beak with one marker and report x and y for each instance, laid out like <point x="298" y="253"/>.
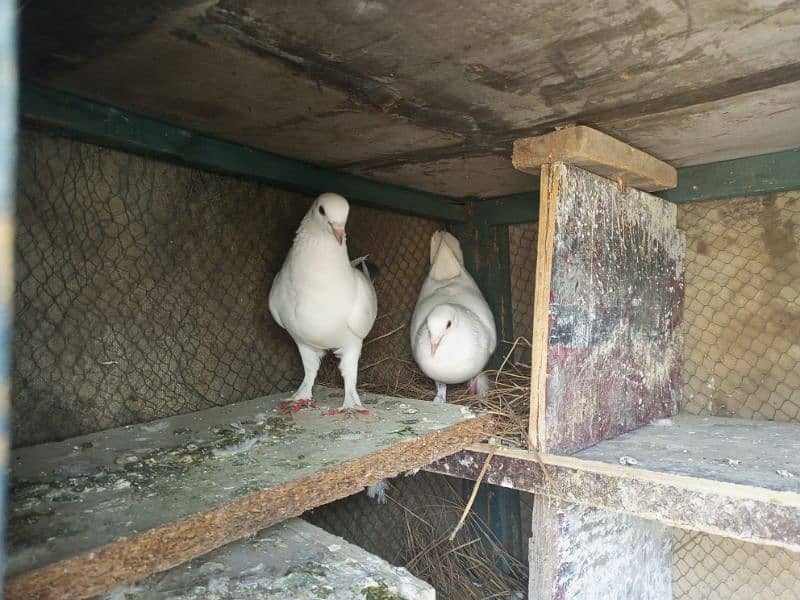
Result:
<point x="434" y="347"/>
<point x="338" y="232"/>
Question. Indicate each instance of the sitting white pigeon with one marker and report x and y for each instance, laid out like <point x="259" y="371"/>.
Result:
<point x="323" y="300"/>
<point x="452" y="329"/>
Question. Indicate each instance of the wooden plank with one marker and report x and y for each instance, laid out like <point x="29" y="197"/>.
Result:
<point x="585" y="553"/>
<point x="609" y="287"/>
<point x="597" y="153"/>
<point x="760" y="454"/>
<point x="548" y="206"/>
<point x="93" y="512"/>
<point x="109" y="126"/>
<point x="293" y="559"/>
<point x="732" y="477"/>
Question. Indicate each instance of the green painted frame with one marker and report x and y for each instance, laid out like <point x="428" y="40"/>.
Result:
<point x="748" y="176"/>
<point x="111" y="127"/>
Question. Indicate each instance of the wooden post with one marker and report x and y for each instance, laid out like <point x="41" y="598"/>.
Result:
<point x="579" y="552"/>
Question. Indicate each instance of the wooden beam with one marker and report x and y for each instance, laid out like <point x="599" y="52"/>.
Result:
<point x="582" y="552"/>
<point x="506" y="210"/>
<point x="722" y="476"/>
<point x="108" y="126"/>
<point x="763" y="174"/>
<point x="598" y="153"/>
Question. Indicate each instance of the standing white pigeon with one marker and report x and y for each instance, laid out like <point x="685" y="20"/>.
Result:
<point x="322" y="300"/>
<point x="452" y="329"/>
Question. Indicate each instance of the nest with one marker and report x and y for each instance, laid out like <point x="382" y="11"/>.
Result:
<point x="473" y="565"/>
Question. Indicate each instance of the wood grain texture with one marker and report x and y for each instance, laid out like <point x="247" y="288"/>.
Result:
<point x="709" y="501"/>
<point x="586" y="553"/>
<point x="293" y="559"/>
<point x="597" y="153"/>
<point x="126" y="503"/>
<point x="610" y="276"/>
<point x="549" y="185"/>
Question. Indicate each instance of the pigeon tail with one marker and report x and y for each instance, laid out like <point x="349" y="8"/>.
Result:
<point x="479" y="385"/>
<point x="448" y="238"/>
<point x="447" y="260"/>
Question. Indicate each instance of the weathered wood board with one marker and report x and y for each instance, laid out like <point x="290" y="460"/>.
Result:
<point x="293" y="559"/>
<point x="584" y="553"/>
<point x="93" y="512"/>
<point x="733" y="477"/>
<point x="598" y="153"/>
<point x="761" y="454"/>
<point x="609" y="288"/>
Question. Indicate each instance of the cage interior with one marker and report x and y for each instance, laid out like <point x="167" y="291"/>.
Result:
<point x="160" y="178"/>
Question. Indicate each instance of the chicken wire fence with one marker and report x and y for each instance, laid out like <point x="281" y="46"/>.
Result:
<point x="141" y="288"/>
<point x="741" y="358"/>
<point x="742" y="307"/>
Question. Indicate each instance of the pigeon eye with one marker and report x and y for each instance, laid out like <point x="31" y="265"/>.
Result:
<point x="448" y="324"/>
<point x="322" y="211"/>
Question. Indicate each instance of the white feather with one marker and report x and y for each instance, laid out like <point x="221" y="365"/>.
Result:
<point x="466" y="346"/>
<point x="321" y="299"/>
<point x="378" y="490"/>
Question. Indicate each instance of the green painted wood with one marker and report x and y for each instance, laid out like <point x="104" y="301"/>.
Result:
<point x="112" y="127"/>
<point x="487" y="258"/>
<point x="762" y="174"/>
<point x="752" y="175"/>
<point x="507" y="210"/>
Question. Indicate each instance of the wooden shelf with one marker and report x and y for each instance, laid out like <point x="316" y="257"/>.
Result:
<point x="97" y="511"/>
<point x="293" y="559"/>
<point x="733" y="477"/>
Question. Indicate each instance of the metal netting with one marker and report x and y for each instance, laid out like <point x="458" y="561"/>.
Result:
<point x="381" y="528"/>
<point x="522" y="245"/>
<point x="708" y="567"/>
<point x="742" y="359"/>
<point x="141" y="288"/>
<point x="420" y="514"/>
<point x="742" y="307"/>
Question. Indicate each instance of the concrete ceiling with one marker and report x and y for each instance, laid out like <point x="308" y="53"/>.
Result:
<point x="430" y="95"/>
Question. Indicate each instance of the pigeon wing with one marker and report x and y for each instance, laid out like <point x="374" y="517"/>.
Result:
<point x="365" y="305"/>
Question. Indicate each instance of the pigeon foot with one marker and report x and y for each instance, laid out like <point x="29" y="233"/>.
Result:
<point x="348" y="412"/>
<point x="297" y="405"/>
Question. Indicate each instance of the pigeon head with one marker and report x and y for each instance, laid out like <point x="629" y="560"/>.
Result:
<point x="329" y="212"/>
<point x="440" y="320"/>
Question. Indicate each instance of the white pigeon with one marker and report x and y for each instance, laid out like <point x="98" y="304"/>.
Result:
<point x="323" y="300"/>
<point x="452" y="328"/>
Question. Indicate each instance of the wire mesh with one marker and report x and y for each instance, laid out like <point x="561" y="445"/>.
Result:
<point x="742" y="359"/>
<point x="412" y="529"/>
<point x="522" y="245"/>
<point x="742" y="307"/>
<point x="141" y="288"/>
<point x="708" y="567"/>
